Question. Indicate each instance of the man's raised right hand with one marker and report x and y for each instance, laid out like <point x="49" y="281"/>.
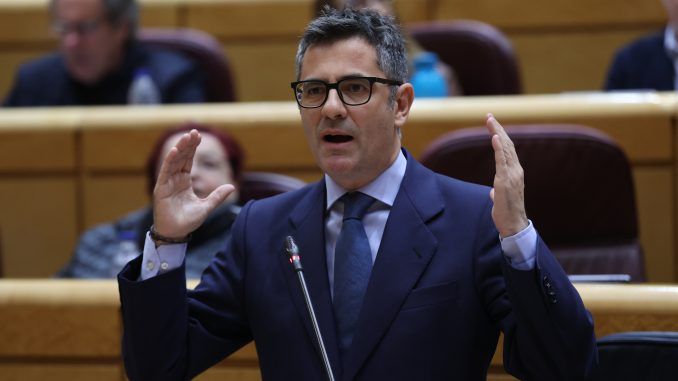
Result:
<point x="177" y="211"/>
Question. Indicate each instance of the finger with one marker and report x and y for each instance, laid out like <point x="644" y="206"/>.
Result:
<point x="180" y="157"/>
<point x="191" y="148"/>
<point x="506" y="143"/>
<point x="500" y="163"/>
<point x="165" y="172"/>
<point x="492" y="194"/>
<point x="495" y="130"/>
<point x="491" y="127"/>
<point x="186" y="147"/>
<point x="218" y="196"/>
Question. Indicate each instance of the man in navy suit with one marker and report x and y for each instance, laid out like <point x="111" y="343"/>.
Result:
<point x="99" y="57"/>
<point x="441" y="284"/>
<point x="648" y="63"/>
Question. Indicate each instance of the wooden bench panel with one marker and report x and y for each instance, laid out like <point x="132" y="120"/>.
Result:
<point x="555" y="61"/>
<point x="38" y="224"/>
<point x="57" y="341"/>
<point x="553" y="14"/>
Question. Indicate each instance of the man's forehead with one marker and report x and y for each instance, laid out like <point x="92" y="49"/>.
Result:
<point x="352" y="54"/>
<point x="76" y="8"/>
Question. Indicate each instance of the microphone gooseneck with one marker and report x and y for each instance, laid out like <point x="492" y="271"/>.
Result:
<point x="292" y="251"/>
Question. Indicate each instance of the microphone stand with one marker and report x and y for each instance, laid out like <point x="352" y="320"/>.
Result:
<point x="293" y="252"/>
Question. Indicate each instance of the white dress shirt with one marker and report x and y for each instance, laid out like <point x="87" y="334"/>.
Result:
<point x="671" y="47"/>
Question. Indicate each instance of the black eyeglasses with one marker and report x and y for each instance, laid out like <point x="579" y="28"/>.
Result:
<point x="353" y="91"/>
<point x="81" y="28"/>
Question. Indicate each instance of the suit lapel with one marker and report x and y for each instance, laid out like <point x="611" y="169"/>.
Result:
<point x="307" y="228"/>
<point x="406" y="248"/>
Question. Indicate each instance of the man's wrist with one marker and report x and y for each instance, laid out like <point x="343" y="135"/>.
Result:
<point x="163" y="240"/>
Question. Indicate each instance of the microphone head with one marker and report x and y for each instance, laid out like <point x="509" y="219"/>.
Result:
<point x="291" y="247"/>
<point x="293" y="252"/>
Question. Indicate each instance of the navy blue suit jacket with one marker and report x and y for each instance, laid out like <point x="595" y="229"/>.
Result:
<point x="642" y="65"/>
<point x="439" y="294"/>
<point x="46" y="82"/>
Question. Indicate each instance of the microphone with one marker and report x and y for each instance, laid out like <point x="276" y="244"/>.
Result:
<point x="293" y="253"/>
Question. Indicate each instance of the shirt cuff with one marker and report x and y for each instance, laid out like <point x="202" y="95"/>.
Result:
<point x="161" y="259"/>
<point x="520" y="249"/>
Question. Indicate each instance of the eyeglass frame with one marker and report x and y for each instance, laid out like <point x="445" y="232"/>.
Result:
<point x="81" y="28"/>
<point x="335" y="86"/>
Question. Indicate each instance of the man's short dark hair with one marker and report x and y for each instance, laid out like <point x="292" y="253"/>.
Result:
<point x="380" y="31"/>
<point x="117" y="12"/>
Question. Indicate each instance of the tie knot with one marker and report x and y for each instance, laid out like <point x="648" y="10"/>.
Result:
<point x="356" y="204"/>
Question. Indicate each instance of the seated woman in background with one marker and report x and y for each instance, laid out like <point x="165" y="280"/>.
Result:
<point x="103" y="250"/>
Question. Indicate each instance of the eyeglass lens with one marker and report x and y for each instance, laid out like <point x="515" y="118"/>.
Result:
<point x="352" y="91"/>
<point x="81" y="28"/>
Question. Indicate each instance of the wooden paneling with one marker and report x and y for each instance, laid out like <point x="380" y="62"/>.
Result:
<point x="249" y="19"/>
<point x="60" y="372"/>
<point x="28" y="150"/>
<point x="271" y="133"/>
<point x="65" y="318"/>
<point x="38" y="224"/>
<point x="70" y="330"/>
<point x="159" y="13"/>
<point x="553" y="61"/>
<point x="554" y="13"/>
<point x="621" y="308"/>
<point x="109" y="197"/>
<point x="24" y="21"/>
<point x="264" y="68"/>
<point x="223" y="374"/>
<point x="655" y="201"/>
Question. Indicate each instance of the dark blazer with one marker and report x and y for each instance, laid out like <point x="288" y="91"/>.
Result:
<point x="642" y="65"/>
<point x="439" y="293"/>
<point x="46" y="82"/>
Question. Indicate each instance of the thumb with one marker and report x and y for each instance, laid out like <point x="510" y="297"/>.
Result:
<point x="492" y="194"/>
<point x="218" y="196"/>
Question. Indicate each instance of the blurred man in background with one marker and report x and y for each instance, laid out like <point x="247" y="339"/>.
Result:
<point x="648" y="63"/>
<point x="98" y="60"/>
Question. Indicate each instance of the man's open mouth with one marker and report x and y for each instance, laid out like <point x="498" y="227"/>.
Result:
<point x="337" y="138"/>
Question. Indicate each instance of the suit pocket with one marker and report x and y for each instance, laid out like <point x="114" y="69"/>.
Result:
<point x="431" y="295"/>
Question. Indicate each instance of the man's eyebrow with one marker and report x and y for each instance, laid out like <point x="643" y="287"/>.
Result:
<point x="350" y="75"/>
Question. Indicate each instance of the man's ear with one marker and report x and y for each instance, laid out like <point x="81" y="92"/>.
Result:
<point x="403" y="103"/>
<point x="123" y="32"/>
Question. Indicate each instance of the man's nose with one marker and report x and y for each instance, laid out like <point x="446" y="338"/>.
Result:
<point x="334" y="108"/>
<point x="70" y="39"/>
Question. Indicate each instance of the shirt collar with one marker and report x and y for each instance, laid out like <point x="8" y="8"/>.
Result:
<point x="670" y="43"/>
<point x="384" y="188"/>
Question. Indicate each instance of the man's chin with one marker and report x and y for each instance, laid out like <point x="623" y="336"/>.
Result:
<point x="337" y="165"/>
<point x="83" y="76"/>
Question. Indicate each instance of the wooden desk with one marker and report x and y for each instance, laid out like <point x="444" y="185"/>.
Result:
<point x="70" y="330"/>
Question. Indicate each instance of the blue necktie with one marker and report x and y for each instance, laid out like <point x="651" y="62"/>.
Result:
<point x="352" y="266"/>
